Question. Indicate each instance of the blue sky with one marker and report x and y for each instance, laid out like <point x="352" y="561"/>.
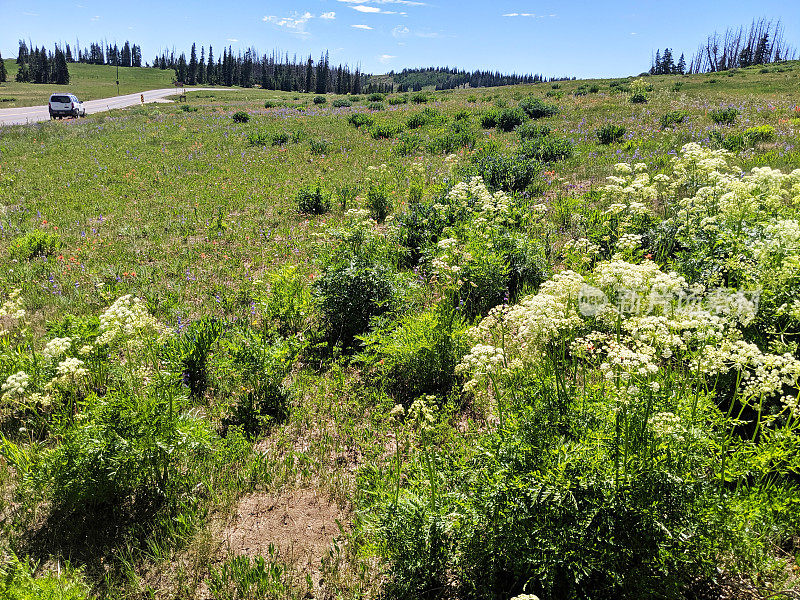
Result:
<point x="554" y="37"/>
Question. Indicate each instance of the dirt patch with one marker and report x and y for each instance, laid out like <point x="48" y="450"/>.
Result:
<point x="301" y="524"/>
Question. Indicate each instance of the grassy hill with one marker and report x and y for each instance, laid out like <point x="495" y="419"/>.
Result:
<point x="279" y="414"/>
<point x="88" y="82"/>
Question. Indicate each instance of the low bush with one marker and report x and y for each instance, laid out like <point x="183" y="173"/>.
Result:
<point x="610" y="133"/>
<point x="320" y="99"/>
<point x="530" y="131"/>
<point x="488" y="119"/>
<point x="342" y="103"/>
<point x="319" y="147"/>
<point x="420" y="98"/>
<point x="509" y="118"/>
<point x="424" y="117"/>
<point x="34" y="244"/>
<point x="376" y="106"/>
<point x="360" y="120"/>
<point x="407" y="144"/>
<point x="271" y="104"/>
<point x="547" y="149"/>
<point x="673" y="117"/>
<point x="386" y="129"/>
<point x="724" y="116"/>
<point x="281" y="138"/>
<point x="512" y="173"/>
<point x="240" y="117"/>
<point x="376" y="97"/>
<point x="395" y="100"/>
<point x="378" y="201"/>
<point x="535" y="108"/>
<point x="313" y="200"/>
<point x="447" y="140"/>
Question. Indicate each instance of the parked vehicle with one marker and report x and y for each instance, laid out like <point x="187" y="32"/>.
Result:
<point x="65" y="105"/>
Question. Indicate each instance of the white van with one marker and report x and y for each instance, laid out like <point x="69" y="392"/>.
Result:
<point x="65" y="105"/>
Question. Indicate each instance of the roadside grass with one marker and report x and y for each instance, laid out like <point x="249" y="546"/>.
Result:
<point x="87" y="82"/>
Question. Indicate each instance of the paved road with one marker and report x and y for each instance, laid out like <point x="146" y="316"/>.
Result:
<point x="33" y="114"/>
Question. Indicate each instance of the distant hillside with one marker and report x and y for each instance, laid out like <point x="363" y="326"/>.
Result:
<point x="445" y="78"/>
<point x="88" y="82"/>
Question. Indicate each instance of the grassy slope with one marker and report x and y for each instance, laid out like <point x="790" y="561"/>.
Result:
<point x="88" y="82"/>
<point x="136" y="206"/>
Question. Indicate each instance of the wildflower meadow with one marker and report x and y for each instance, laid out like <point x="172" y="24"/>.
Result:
<point x="538" y="341"/>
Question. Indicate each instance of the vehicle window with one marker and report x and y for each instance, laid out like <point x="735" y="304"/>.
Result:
<point x="64" y="99"/>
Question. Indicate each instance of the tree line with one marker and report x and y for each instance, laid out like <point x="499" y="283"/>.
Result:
<point x="664" y="64"/>
<point x="127" y="55"/>
<point x="761" y="43"/>
<point x="446" y="78"/>
<point x="274" y="71"/>
<point x="39" y="65"/>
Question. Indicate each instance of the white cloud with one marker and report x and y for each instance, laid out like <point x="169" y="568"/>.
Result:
<point x="328" y="16"/>
<point x="95" y="18"/>
<point x="294" y="23"/>
<point x="400" y="31"/>
<point x="384" y="58"/>
<point x="403" y="2"/>
<point x="361" y="26"/>
<point x="363" y="8"/>
<point x="31" y="14"/>
<point x="531" y="15"/>
<point x="231" y="40"/>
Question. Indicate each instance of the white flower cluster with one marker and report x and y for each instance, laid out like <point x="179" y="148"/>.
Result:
<point x="15" y="385"/>
<point x="628" y="348"/>
<point x="128" y="318"/>
<point x="56" y="347"/>
<point x="629" y="242"/>
<point x="11" y="310"/>
<point x="493" y="207"/>
<point x="69" y="372"/>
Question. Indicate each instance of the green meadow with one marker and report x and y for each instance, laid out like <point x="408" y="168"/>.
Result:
<point x="264" y="344"/>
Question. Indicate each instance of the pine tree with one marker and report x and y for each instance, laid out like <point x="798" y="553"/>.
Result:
<point x="24" y="54"/>
<point x="60" y="74"/>
<point x="210" y="77"/>
<point x="201" y="67"/>
<point x="3" y="74"/>
<point x="309" y="74"/>
<point x="191" y="74"/>
<point x="681" y="68"/>
<point x="656" y="69"/>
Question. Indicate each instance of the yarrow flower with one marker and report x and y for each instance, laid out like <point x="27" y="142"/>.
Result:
<point x="15" y="385"/>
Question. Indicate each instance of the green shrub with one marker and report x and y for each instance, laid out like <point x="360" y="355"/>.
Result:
<point x="259" y="137"/>
<point x="512" y="173"/>
<point x="724" y="116"/>
<point x="386" y="129"/>
<point x="594" y="88"/>
<point x="376" y="97"/>
<point x="639" y="89"/>
<point x="676" y="87"/>
<point x="450" y="139"/>
<point x="34" y="244"/>
<point x="355" y="99"/>
<point x="529" y="131"/>
<point x="673" y="117"/>
<point x="535" y="108"/>
<point x="418" y="356"/>
<point x="760" y="134"/>
<point x="187" y="354"/>
<point x="488" y="119"/>
<point x="287" y="307"/>
<point x="547" y="149"/>
<point x="472" y="99"/>
<point x="18" y="581"/>
<point x="313" y="200"/>
<point x="281" y="138"/>
<point x="187" y="108"/>
<point x="319" y="147"/>
<point x="240" y="117"/>
<point x="424" y="117"/>
<point x="407" y="144"/>
<point x="554" y="94"/>
<point x="379" y="202"/>
<point x="462" y="115"/>
<point x="360" y="120"/>
<point x="376" y="106"/>
<point x="355" y="286"/>
<point x="395" y="100"/>
<point x="509" y="118"/>
<point x="610" y="133"/>
<point x="271" y="104"/>
<point x="582" y="90"/>
<point x="342" y="103"/>
<point x="320" y="99"/>
<point x="419" y="98"/>
<point x="555" y="86"/>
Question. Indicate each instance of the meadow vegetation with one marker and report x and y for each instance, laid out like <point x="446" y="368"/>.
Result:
<point x="532" y="340"/>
